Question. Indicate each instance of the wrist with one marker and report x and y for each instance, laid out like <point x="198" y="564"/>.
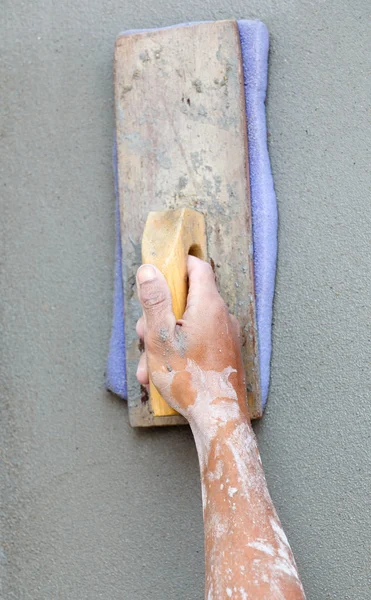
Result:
<point x="210" y="432"/>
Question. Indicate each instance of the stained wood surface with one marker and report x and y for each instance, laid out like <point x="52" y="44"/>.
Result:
<point x="168" y="237"/>
<point x="182" y="142"/>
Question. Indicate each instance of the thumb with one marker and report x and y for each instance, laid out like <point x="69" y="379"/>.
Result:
<point x="155" y="298"/>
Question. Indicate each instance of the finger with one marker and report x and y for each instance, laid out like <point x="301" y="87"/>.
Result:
<point x="201" y="281"/>
<point x="142" y="370"/>
<point x="155" y="298"/>
<point x="140" y="328"/>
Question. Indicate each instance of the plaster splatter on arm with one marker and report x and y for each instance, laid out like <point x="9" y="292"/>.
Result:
<point x="247" y="552"/>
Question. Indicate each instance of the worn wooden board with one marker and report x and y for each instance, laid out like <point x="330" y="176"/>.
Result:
<point x="182" y="142"/>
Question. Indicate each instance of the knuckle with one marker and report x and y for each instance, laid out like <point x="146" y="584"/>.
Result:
<point x="234" y="320"/>
<point x="139" y="326"/>
<point x="152" y="297"/>
<point x="157" y="341"/>
<point x="220" y="311"/>
<point x="208" y="270"/>
<point x="218" y="305"/>
<point x="216" y="309"/>
<point x="236" y="324"/>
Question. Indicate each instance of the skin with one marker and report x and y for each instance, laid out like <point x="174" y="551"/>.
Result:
<point x="196" y="365"/>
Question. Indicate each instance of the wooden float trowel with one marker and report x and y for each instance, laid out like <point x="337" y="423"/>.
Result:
<point x="184" y="182"/>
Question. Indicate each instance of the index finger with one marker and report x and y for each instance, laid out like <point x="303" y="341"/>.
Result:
<point x="201" y="281"/>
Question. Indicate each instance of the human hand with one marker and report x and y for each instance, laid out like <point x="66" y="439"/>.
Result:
<point x="195" y="362"/>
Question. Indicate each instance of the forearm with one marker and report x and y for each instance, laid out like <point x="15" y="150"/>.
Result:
<point x="247" y="552"/>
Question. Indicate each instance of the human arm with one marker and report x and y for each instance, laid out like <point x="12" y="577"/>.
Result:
<point x="196" y="364"/>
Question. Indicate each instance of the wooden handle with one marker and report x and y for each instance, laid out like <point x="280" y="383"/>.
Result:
<point x="168" y="238"/>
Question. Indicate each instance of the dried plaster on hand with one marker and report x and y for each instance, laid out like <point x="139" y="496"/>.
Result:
<point x="215" y="405"/>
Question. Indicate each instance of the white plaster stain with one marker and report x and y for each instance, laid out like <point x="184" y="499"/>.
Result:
<point x="263" y="547"/>
<point x="217" y="474"/>
<point x="213" y="391"/>
<point x="215" y="406"/>
<point x="286" y="562"/>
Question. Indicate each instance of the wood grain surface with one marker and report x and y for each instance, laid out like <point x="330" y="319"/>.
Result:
<point x="182" y="142"/>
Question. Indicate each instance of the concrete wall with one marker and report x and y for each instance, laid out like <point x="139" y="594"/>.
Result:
<point x="90" y="508"/>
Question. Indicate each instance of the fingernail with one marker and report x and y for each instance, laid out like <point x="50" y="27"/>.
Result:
<point x="146" y="273"/>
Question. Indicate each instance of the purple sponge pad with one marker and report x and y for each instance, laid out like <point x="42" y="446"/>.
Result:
<point x="254" y="45"/>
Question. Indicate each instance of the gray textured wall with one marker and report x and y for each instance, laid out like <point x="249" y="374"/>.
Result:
<point x="90" y="508"/>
